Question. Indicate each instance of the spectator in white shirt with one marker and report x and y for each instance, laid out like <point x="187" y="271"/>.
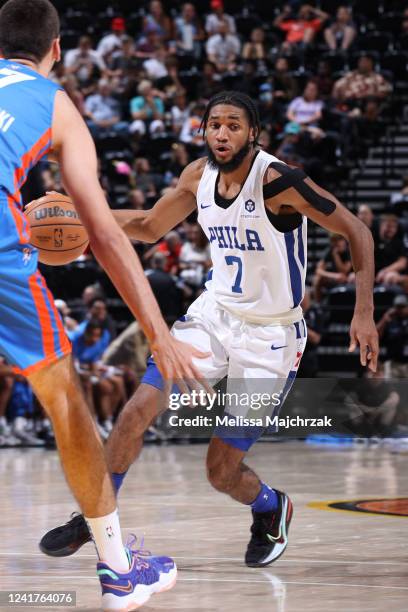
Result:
<point x="156" y="66"/>
<point x="223" y="48"/>
<point x="215" y="18"/>
<point x="83" y="61"/>
<point x="195" y="256"/>
<point x="307" y="108"/>
<point x="113" y="41"/>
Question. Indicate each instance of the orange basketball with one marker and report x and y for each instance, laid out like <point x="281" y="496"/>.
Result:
<point x="56" y="229"/>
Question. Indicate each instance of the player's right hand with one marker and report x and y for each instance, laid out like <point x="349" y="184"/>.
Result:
<point x="175" y="362"/>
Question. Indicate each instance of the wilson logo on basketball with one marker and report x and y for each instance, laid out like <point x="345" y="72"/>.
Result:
<point x="55" y="211"/>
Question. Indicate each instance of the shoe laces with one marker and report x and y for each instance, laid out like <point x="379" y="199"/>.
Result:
<point x="139" y="552"/>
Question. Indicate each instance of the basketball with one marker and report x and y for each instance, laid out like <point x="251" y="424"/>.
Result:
<point x="56" y="229"/>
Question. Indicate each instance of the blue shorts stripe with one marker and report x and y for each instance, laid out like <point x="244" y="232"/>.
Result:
<point x="294" y="272"/>
<point x="57" y="344"/>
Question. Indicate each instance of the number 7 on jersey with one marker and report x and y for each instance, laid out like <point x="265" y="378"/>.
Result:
<point x="231" y="260"/>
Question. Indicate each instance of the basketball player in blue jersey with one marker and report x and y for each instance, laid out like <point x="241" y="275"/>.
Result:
<point x="37" y="118"/>
<point x="253" y="209"/>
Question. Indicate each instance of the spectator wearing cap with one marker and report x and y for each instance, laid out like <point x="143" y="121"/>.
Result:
<point x="84" y="62"/>
<point x="362" y="83"/>
<point x="393" y="333"/>
<point x="147" y="110"/>
<point x="216" y="17"/>
<point x="103" y="112"/>
<point x="342" y="31"/>
<point x="223" y="48"/>
<point x="390" y="254"/>
<point x="112" y="41"/>
<point x="157" y="21"/>
<point x="189" y="31"/>
<point x="300" y="30"/>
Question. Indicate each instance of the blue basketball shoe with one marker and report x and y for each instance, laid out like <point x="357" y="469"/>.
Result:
<point x="147" y="575"/>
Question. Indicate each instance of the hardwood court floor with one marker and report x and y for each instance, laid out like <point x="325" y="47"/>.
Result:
<point x="335" y="560"/>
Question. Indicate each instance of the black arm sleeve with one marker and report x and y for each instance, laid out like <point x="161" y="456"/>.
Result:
<point x="295" y="177"/>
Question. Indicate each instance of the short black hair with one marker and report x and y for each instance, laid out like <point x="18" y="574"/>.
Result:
<point x="27" y="29"/>
<point x="240" y="100"/>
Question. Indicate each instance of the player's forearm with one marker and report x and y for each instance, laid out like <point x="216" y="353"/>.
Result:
<point x="362" y="255"/>
<point x="116" y="255"/>
<point x="135" y="224"/>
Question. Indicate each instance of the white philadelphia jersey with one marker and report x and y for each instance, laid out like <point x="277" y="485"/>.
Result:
<point x="258" y="272"/>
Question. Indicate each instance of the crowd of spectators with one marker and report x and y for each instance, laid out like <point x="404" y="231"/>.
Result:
<point x="142" y="85"/>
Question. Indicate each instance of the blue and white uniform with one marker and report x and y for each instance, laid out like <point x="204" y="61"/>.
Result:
<point x="249" y="317"/>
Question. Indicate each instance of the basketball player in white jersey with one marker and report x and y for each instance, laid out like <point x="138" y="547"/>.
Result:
<point x="253" y="210"/>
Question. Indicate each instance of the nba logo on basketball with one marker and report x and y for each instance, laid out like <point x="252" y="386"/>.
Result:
<point x="250" y="206"/>
<point x="58" y="233"/>
<point x="109" y="531"/>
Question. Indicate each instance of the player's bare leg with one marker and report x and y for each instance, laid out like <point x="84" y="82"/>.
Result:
<point x="271" y="509"/>
<point x="126" y="439"/>
<point x="80" y="448"/>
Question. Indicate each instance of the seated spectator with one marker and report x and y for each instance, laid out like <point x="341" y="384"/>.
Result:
<point x="307" y="108"/>
<point x="98" y="311"/>
<point x="342" y="32"/>
<point x="178" y="161"/>
<point x="144" y="178"/>
<point x="333" y="269"/>
<point x="366" y="215"/>
<point x="302" y="29"/>
<point x="254" y="49"/>
<point x="170" y="248"/>
<point x="362" y="83"/>
<point x="164" y="285"/>
<point x="147" y="109"/>
<point x="393" y="334"/>
<point x="71" y="86"/>
<point x="84" y="62"/>
<point x="399" y="199"/>
<point x="216" y="17"/>
<point x="103" y="386"/>
<point x="180" y="112"/>
<point x="389" y="251"/>
<point x="210" y="82"/>
<point x="284" y="84"/>
<point x="136" y="199"/>
<point x="223" y="48"/>
<point x="190" y="132"/>
<point x="103" y="112"/>
<point x="157" y="21"/>
<point x="195" y="256"/>
<point x="113" y="41"/>
<point x="323" y="79"/>
<point x="189" y="31"/>
<point x="122" y="59"/>
<point x="146" y="44"/>
<point x="156" y="66"/>
<point x="69" y="323"/>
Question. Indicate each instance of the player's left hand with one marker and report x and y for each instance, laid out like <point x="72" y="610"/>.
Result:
<point x="364" y="333"/>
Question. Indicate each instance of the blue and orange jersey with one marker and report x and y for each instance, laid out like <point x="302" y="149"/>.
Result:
<point x="26" y="112"/>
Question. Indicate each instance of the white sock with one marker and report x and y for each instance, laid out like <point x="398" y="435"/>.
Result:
<point x="108" y="541"/>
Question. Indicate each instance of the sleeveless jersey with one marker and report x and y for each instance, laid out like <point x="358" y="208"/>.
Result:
<point x="258" y="272"/>
<point x="26" y="111"/>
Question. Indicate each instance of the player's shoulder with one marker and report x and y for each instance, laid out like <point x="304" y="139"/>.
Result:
<point x="193" y="172"/>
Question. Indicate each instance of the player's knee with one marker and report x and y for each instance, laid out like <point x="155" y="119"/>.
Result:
<point x="221" y="476"/>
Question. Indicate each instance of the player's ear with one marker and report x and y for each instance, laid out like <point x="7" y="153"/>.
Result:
<point x="251" y="135"/>
<point x="56" y="48"/>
